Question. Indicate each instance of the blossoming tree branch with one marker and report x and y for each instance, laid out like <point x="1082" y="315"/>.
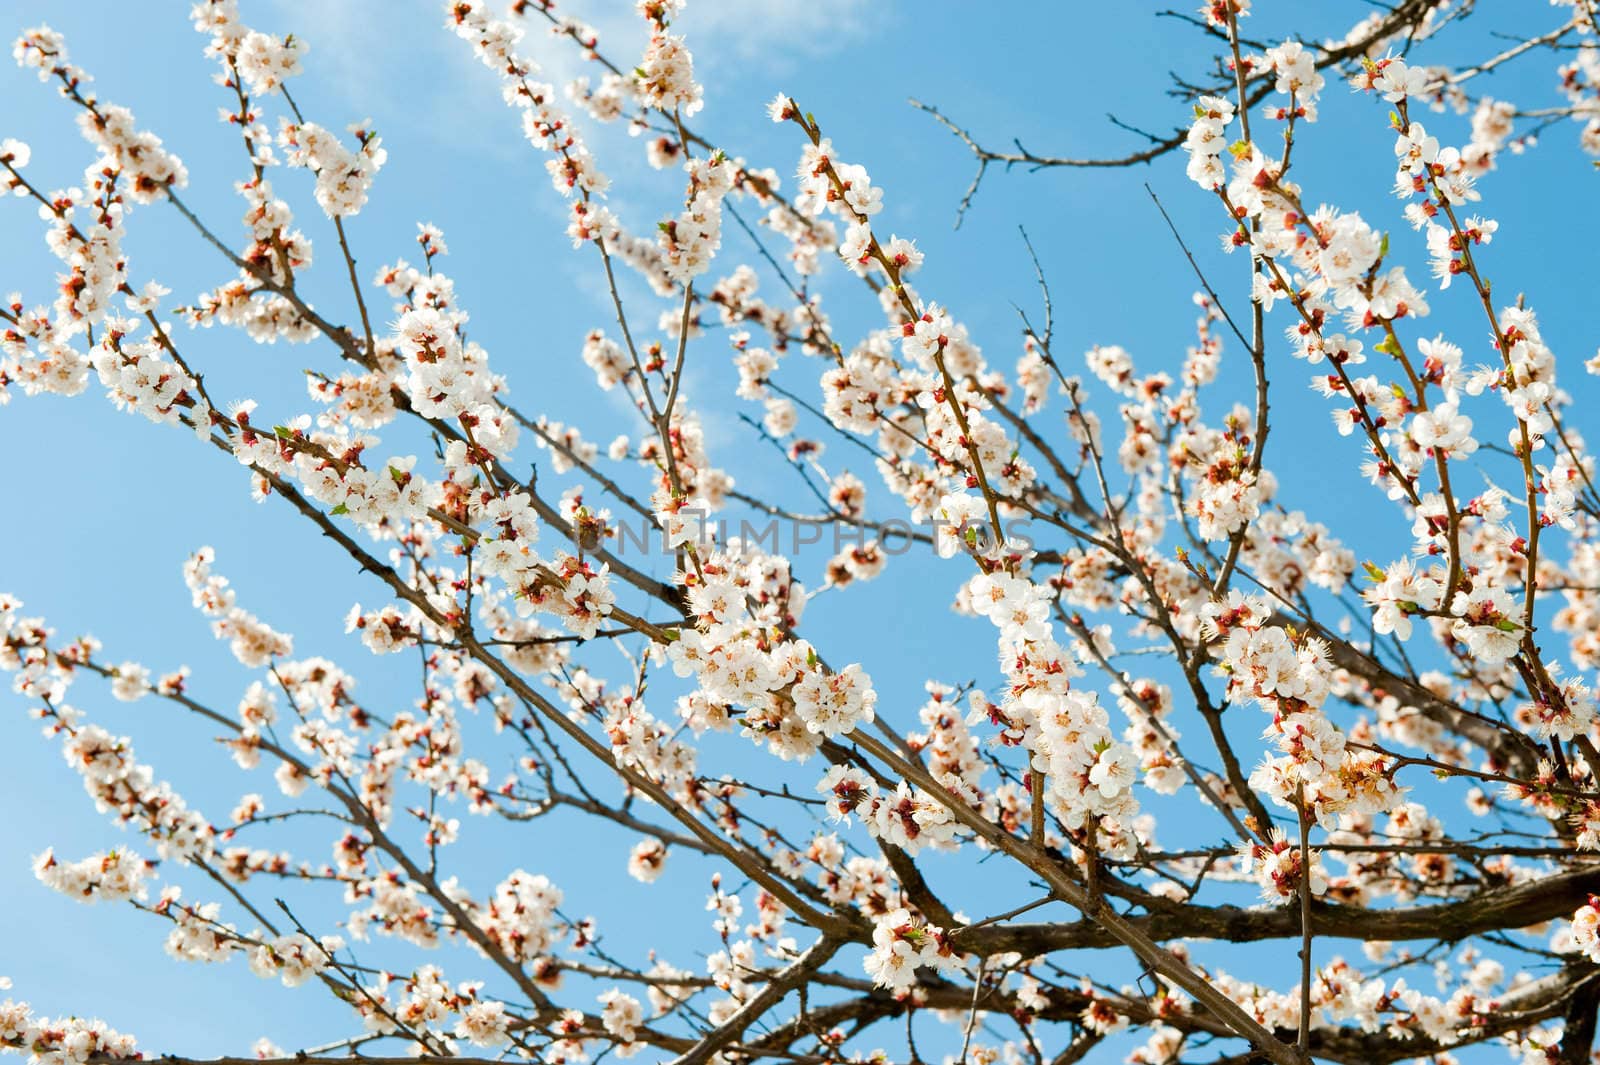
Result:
<point x="1389" y="764"/>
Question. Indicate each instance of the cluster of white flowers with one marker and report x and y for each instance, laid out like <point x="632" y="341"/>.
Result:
<point x="344" y="177"/>
<point x="198" y="934"/>
<point x="621" y="1014"/>
<point x="1207" y="140"/>
<point x="462" y="554"/>
<point x="1443" y="430"/>
<point x="1277" y="867"/>
<point x="1290" y="675"/>
<point x="903" y="943"/>
<point x="138" y="379"/>
<point x="264" y="61"/>
<point x="521" y="915"/>
<point x="581" y="596"/>
<point x="113" y="876"/>
<point x="54" y="365"/>
<point x="1339" y="993"/>
<point x="1559" y="483"/>
<point x="1563" y="711"/>
<point x="1485" y="623"/>
<point x="1580" y="83"/>
<point x="252" y="641"/>
<point x="112" y="777"/>
<point x="117" y="782"/>
<point x="1401" y="591"/>
<point x="97" y="271"/>
<point x="664" y="78"/>
<point x="425" y="1001"/>
<point x="834" y="703"/>
<point x="791" y="700"/>
<point x="948" y="746"/>
<point x="1151" y="736"/>
<point x="1227" y="494"/>
<point x="607" y="359"/>
<point x="495" y="42"/>
<point x="484" y="1024"/>
<point x="133" y="157"/>
<point x="910" y="818"/>
<point x="1444" y="177"/>
<point x="1394" y="79"/>
<point x="606" y="101"/>
<point x="387" y="630"/>
<point x="647" y="860"/>
<point x="639" y="741"/>
<point x="1295" y="68"/>
<point x="293" y="958"/>
<point x="1586" y="929"/>
<point x="690" y="241"/>
<point x="1088" y="771"/>
<point x="63" y="1040"/>
<point x="446" y="377"/>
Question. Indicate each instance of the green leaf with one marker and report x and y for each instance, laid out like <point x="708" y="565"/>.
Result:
<point x="340" y="509"/>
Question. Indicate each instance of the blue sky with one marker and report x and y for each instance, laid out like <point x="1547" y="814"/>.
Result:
<point x="102" y="509"/>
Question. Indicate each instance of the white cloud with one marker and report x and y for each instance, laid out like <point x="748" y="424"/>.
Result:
<point x="396" y="63"/>
<point x="366" y="49"/>
<point x="780" y="32"/>
<point x="393" y="61"/>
